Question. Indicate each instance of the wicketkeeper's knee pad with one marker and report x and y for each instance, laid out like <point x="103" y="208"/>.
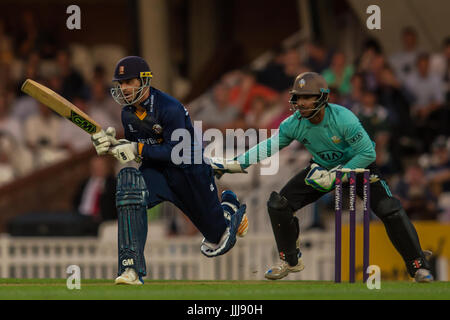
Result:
<point x="285" y="227"/>
<point x="131" y="202"/>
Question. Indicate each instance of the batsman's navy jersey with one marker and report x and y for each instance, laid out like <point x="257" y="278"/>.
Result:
<point x="189" y="185"/>
<point x="153" y="130"/>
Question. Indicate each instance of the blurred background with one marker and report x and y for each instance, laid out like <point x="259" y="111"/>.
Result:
<point x="232" y="64"/>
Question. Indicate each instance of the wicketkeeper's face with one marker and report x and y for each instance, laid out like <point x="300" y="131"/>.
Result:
<point x="305" y="104"/>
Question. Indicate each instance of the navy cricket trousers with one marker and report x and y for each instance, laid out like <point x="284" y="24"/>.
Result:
<point x="193" y="190"/>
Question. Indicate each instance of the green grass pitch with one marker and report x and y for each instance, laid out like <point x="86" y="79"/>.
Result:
<point x="48" y="289"/>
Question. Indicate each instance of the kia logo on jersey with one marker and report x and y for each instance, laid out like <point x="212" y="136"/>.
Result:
<point x="330" y="155"/>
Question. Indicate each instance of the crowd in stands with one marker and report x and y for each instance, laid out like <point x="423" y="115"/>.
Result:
<point x="31" y="135"/>
<point x="401" y="99"/>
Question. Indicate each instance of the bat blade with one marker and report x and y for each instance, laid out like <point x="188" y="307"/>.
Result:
<point x="60" y="105"/>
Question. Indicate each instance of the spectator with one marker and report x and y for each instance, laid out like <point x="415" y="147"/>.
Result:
<point x="357" y="82"/>
<point x="438" y="173"/>
<point x="415" y="195"/>
<point x="103" y="109"/>
<point x="216" y="111"/>
<point x="374" y="72"/>
<point x="244" y="88"/>
<point x="375" y="120"/>
<point x="6" y="46"/>
<point x="8" y="124"/>
<point x="427" y="90"/>
<point x="440" y="65"/>
<point x="262" y="113"/>
<point x="28" y="36"/>
<point x="15" y="159"/>
<point x="318" y="57"/>
<point x="95" y="196"/>
<point x="281" y="73"/>
<point x="371" y="49"/>
<point x="391" y="94"/>
<point x="24" y="105"/>
<point x="339" y="74"/>
<point x="72" y="81"/>
<point x="6" y="163"/>
<point x="42" y="137"/>
<point x="334" y="96"/>
<point x="404" y="61"/>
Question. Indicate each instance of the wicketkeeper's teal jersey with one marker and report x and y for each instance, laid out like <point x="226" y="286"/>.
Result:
<point x="339" y="139"/>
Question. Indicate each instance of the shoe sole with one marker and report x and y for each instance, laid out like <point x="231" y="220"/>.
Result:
<point x="281" y="276"/>
<point x="243" y="227"/>
<point x="123" y="281"/>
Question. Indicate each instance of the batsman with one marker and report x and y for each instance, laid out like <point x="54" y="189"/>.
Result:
<point x="336" y="139"/>
<point x="149" y="118"/>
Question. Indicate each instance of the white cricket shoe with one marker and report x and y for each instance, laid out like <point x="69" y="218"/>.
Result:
<point x="423" y="276"/>
<point x="129" y="276"/>
<point x="282" y="269"/>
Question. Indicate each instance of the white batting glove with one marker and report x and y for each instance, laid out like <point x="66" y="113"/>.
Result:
<point x="111" y="133"/>
<point x="101" y="142"/>
<point x="222" y="165"/>
<point x="125" y="151"/>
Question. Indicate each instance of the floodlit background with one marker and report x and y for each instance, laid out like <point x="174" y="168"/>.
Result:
<point x="232" y="64"/>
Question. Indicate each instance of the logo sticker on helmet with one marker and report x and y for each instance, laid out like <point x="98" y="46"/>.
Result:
<point x="302" y="83"/>
<point x="146" y="74"/>
<point x="121" y="70"/>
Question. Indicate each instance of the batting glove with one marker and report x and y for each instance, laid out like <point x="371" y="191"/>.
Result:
<point x="125" y="151"/>
<point x="103" y="140"/>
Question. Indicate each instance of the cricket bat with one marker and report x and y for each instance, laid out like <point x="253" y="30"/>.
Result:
<point x="60" y="105"/>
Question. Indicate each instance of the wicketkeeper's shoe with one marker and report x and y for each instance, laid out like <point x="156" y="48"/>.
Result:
<point x="282" y="269"/>
<point x="423" y="276"/>
<point x="129" y="276"/>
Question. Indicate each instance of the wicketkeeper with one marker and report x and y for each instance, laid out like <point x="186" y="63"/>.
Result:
<point x="336" y="139"/>
<point x="149" y="118"/>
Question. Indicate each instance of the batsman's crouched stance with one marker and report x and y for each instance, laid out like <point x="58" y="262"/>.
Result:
<point x="149" y="118"/>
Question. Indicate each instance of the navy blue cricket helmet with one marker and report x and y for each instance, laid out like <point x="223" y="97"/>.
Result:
<point x="128" y="68"/>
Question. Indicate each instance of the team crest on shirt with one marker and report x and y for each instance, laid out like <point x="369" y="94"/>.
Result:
<point x="336" y="139"/>
<point x="157" y="129"/>
<point x="302" y="83"/>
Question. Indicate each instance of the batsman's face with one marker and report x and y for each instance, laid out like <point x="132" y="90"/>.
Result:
<point x="130" y="88"/>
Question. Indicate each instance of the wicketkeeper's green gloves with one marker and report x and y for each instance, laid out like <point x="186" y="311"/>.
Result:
<point x="322" y="179"/>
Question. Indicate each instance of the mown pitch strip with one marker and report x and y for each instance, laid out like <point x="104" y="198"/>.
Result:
<point x="50" y="289"/>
